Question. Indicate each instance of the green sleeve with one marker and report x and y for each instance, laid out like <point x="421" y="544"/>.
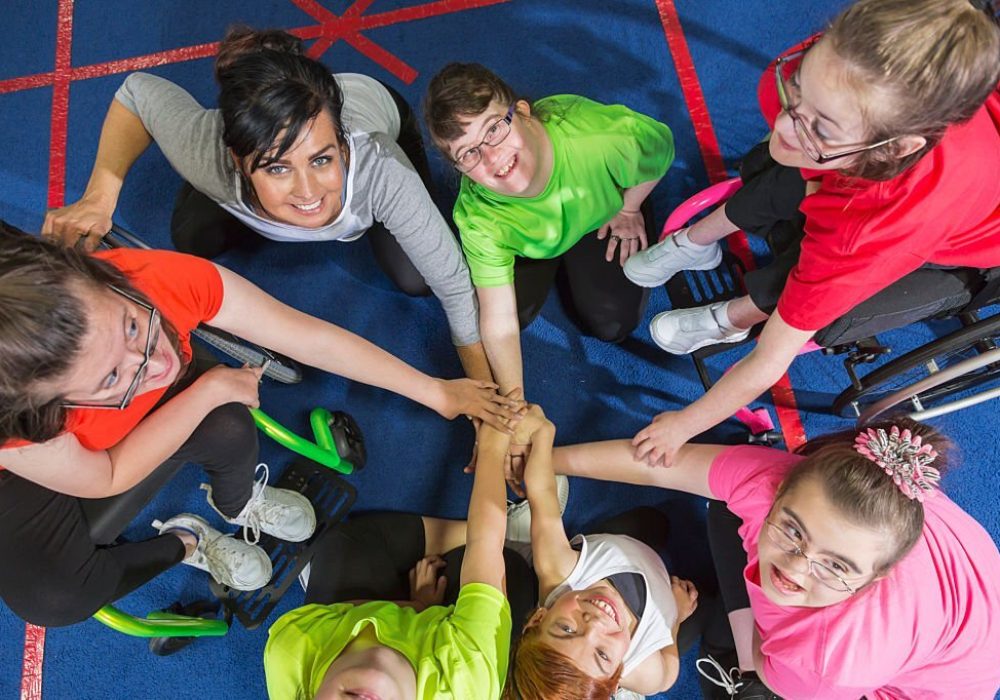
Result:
<point x="644" y="150"/>
<point x="491" y="264"/>
<point x="482" y="624"/>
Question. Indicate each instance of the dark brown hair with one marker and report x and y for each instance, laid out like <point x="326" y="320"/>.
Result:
<point x="934" y="62"/>
<point x="267" y="85"/>
<point x="539" y="672"/>
<point x="42" y="323"/>
<point x="861" y="490"/>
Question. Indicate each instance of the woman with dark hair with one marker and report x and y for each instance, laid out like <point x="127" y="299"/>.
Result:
<point x="845" y="572"/>
<point x="99" y="386"/>
<point x="294" y="153"/>
<point x="882" y="157"/>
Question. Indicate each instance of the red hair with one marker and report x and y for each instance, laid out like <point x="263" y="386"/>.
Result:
<point x="539" y="672"/>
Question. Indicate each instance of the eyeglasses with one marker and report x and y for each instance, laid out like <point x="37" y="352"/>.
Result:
<point x="824" y="574"/>
<point x="152" y="337"/>
<point x="498" y="131"/>
<point x="785" y="70"/>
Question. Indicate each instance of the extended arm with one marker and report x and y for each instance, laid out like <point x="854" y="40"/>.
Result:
<point x="252" y="314"/>
<point x="123" y="139"/>
<point x="487" y="522"/>
<point x="501" y="335"/>
<point x="65" y="466"/>
<point x="749" y="378"/>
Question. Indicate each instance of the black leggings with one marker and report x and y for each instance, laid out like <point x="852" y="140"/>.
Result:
<point x="199" y="226"/>
<point x="57" y="568"/>
<point x="369" y="557"/>
<point x="767" y="205"/>
<point x="597" y="296"/>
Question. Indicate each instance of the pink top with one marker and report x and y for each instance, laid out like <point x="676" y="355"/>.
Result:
<point x="930" y="629"/>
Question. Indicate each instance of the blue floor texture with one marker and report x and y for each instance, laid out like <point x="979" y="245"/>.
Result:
<point x="614" y="52"/>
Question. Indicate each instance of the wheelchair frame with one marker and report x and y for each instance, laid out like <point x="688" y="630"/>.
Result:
<point x="936" y="389"/>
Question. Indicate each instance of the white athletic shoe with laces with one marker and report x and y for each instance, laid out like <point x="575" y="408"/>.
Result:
<point x="519" y="512"/>
<point x="658" y="263"/>
<point x="685" y="330"/>
<point x="232" y="562"/>
<point x="281" y="513"/>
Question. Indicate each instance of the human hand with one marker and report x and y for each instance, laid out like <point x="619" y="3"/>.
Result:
<point x="627" y="228"/>
<point x="232" y="385"/>
<point x="531" y="422"/>
<point x="426" y="587"/>
<point x="658" y="442"/>
<point x="479" y="399"/>
<point x="686" y="596"/>
<point x="82" y="224"/>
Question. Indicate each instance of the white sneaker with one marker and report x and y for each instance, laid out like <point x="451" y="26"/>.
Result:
<point x="241" y="566"/>
<point x="281" y="513"/>
<point x="658" y="263"/>
<point x="626" y="694"/>
<point x="519" y="513"/>
<point x="685" y="330"/>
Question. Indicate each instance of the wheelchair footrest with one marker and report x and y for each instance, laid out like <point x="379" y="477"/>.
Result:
<point x="332" y="498"/>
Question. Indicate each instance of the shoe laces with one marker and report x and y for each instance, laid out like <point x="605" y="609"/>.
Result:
<point x="259" y="510"/>
<point x="224" y="554"/>
<point x="718" y="675"/>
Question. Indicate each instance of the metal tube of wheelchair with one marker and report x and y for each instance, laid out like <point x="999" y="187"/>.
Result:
<point x="160" y="624"/>
<point x="325" y="453"/>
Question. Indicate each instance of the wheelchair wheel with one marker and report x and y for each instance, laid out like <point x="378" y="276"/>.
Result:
<point x="922" y="377"/>
<point x="280" y="368"/>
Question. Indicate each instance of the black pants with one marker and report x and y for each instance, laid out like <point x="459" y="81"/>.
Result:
<point x="767" y="205"/>
<point x="597" y="296"/>
<point x="201" y="227"/>
<point x="57" y="570"/>
<point x="369" y="557"/>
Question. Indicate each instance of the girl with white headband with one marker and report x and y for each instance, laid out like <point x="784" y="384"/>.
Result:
<point x="856" y="576"/>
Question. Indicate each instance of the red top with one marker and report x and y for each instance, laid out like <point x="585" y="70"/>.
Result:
<point x="187" y="291"/>
<point x="861" y="235"/>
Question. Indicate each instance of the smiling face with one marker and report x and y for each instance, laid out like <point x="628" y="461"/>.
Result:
<point x="518" y="166"/>
<point x="831" y="109"/>
<point x="592" y="627"/>
<point x="807" y="517"/>
<point x="113" y="350"/>
<point x="304" y="186"/>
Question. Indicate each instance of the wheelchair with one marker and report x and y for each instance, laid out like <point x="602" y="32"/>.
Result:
<point x="952" y="372"/>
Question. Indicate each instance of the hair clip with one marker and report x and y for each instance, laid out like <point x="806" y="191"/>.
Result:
<point x="903" y="456"/>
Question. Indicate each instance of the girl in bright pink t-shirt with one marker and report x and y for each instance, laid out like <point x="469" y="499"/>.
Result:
<point x="860" y="578"/>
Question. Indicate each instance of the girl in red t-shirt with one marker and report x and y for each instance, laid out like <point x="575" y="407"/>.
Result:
<point x="99" y="387"/>
<point x="882" y="158"/>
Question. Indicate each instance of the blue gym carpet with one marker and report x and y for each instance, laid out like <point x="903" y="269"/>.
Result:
<point x="693" y="64"/>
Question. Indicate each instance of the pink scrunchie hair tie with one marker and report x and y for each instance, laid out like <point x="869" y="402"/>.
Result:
<point x="904" y="457"/>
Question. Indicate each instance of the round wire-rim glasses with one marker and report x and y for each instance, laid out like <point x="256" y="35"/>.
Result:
<point x="821" y="572"/>
<point x="152" y="337"/>
<point x="789" y="103"/>
<point x="495" y="135"/>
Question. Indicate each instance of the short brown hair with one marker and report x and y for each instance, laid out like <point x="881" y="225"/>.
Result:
<point x="539" y="672"/>
<point x="460" y="91"/>
<point x="934" y="61"/>
<point x="861" y="490"/>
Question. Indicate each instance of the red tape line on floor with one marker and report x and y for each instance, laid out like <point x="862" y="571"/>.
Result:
<point x="31" y="668"/>
<point x="782" y="392"/>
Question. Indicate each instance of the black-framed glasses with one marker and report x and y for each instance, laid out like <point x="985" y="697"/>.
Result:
<point x="152" y="337"/>
<point x="498" y="131"/>
<point x="821" y="572"/>
<point x="785" y="70"/>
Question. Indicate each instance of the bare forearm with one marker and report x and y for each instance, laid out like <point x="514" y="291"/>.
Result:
<point x="474" y="361"/>
<point x="749" y="378"/>
<point x="156" y="438"/>
<point x="503" y="348"/>
<point x="634" y="196"/>
<point x="123" y="140"/>
<point x="487" y="505"/>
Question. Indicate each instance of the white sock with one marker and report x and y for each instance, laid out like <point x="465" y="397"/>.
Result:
<point x="682" y="240"/>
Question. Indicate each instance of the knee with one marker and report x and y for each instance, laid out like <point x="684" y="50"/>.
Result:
<point x="232" y="421"/>
<point x="58" y="602"/>
<point x="412" y="286"/>
<point x="611" y="331"/>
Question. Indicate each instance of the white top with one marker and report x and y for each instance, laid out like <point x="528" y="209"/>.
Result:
<point x="605" y="555"/>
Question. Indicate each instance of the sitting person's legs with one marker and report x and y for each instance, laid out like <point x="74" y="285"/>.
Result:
<point x="199" y="226"/>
